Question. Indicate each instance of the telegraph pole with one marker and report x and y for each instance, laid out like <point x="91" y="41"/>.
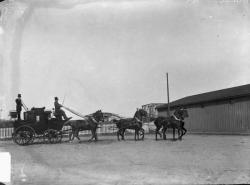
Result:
<point x="168" y="95"/>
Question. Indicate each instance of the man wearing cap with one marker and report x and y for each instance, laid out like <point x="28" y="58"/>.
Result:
<point x="58" y="111"/>
<point x="19" y="105"/>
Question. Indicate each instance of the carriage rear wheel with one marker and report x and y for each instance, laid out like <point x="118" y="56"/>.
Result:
<point x="52" y="136"/>
<point x="24" y="135"/>
<point x="141" y="134"/>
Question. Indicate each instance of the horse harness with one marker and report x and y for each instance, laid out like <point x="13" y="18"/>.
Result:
<point x="177" y="119"/>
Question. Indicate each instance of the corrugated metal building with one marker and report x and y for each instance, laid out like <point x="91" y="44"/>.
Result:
<point x="223" y="111"/>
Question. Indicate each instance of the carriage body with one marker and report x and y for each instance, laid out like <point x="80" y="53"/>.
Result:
<point x="37" y="123"/>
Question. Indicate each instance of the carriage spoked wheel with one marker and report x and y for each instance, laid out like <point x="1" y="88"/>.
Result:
<point x="141" y="134"/>
<point x="24" y="135"/>
<point x="52" y="136"/>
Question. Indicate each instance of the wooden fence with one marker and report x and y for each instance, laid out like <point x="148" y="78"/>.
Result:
<point x="6" y="133"/>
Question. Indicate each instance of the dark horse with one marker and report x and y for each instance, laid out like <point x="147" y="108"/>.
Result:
<point x="134" y="123"/>
<point x="176" y="121"/>
<point x="90" y="123"/>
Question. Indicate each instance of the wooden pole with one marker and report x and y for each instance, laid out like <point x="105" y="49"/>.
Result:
<point x="168" y="95"/>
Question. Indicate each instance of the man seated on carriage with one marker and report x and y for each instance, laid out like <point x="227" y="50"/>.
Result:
<point x="59" y="113"/>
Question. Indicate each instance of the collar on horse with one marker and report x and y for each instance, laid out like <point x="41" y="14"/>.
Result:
<point x="90" y="117"/>
<point x="93" y="118"/>
<point x="137" y="119"/>
<point x="177" y="119"/>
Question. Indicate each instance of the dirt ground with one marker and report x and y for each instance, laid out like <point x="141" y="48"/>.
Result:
<point x="196" y="159"/>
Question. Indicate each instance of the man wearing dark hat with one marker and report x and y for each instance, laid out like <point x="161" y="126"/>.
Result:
<point x="58" y="111"/>
<point x="19" y="105"/>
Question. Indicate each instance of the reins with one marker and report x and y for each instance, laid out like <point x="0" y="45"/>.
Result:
<point x="80" y="115"/>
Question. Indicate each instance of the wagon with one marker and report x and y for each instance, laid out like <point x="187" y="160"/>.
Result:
<point x="37" y="123"/>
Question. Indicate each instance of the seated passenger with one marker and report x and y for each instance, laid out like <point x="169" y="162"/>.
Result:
<point x="58" y="111"/>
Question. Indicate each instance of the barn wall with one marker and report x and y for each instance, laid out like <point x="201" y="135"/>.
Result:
<point x="224" y="118"/>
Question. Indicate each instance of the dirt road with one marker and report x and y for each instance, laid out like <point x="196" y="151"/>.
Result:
<point x="195" y="159"/>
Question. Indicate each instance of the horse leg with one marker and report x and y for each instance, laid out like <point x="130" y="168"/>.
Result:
<point x="156" y="133"/>
<point x="159" y="133"/>
<point x="143" y="133"/>
<point x="135" y="133"/>
<point x="185" y="130"/>
<point x="173" y="133"/>
<point x="72" y="135"/>
<point x="180" y="133"/>
<point x="96" y="136"/>
<point x="122" y="133"/>
<point x="164" y="133"/>
<point x="93" y="135"/>
<point x="118" y="134"/>
<point x="77" y="135"/>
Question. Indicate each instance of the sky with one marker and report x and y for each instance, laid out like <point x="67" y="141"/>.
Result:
<point x="114" y="55"/>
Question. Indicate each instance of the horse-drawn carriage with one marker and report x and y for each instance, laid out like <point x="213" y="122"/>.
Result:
<point x="37" y="123"/>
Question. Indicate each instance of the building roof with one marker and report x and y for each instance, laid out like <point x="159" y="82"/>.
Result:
<point x="210" y="97"/>
<point x="108" y="114"/>
<point x="150" y="104"/>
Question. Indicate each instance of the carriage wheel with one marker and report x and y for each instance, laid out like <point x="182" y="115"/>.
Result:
<point x="52" y="136"/>
<point x="141" y="134"/>
<point x="60" y="135"/>
<point x="24" y="135"/>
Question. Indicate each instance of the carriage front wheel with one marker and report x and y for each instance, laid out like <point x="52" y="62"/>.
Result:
<point x="24" y="135"/>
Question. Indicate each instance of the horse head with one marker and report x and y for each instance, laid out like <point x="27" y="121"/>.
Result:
<point x="181" y="113"/>
<point x="98" y="115"/>
<point x="140" y="114"/>
<point x="184" y="113"/>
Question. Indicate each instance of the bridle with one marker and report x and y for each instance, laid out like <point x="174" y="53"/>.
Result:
<point x="94" y="119"/>
<point x="176" y="118"/>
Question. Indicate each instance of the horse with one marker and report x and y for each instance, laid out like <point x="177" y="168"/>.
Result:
<point x="90" y="123"/>
<point x="134" y="123"/>
<point x="176" y="121"/>
<point x="158" y="123"/>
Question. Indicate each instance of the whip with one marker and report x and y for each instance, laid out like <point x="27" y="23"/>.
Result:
<point x="74" y="112"/>
<point x="24" y="106"/>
